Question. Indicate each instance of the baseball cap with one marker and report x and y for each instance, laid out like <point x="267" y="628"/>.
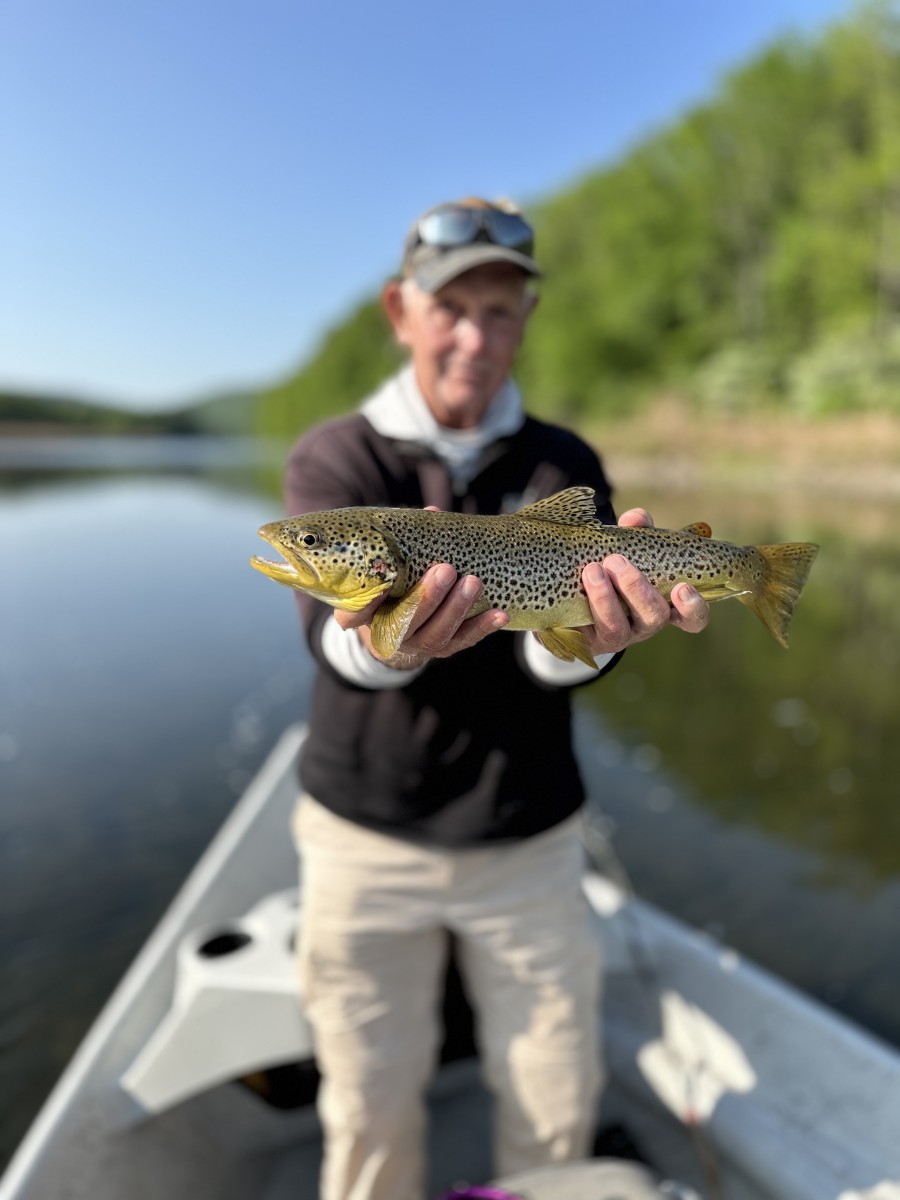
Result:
<point x="449" y="239"/>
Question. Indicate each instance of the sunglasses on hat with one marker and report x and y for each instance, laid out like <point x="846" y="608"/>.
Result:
<point x="451" y="225"/>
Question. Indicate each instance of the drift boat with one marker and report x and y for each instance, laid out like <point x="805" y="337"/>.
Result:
<point x="198" y="1077"/>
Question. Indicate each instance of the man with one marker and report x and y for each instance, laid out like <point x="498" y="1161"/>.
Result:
<point x="441" y="787"/>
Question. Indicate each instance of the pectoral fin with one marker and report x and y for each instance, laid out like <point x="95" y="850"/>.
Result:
<point x="567" y="644"/>
<point x="392" y="620"/>
<point x="359" y="599"/>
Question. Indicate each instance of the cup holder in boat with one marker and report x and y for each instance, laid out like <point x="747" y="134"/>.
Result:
<point x="225" y="941"/>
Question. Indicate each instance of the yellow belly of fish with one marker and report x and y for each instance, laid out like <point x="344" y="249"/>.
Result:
<point x="575" y="611"/>
<point x="553" y="626"/>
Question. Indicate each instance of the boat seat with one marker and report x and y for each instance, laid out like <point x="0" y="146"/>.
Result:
<point x="235" y="1008"/>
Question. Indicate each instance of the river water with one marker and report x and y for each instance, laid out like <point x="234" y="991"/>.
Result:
<point x="145" y="671"/>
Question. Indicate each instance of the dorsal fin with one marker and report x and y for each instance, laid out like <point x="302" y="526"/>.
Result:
<point x="574" y="506"/>
<point x="700" y="528"/>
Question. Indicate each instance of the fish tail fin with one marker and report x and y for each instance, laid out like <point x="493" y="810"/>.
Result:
<point x="786" y="569"/>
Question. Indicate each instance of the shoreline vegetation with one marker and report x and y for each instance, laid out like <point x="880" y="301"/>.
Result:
<point x="855" y="456"/>
<point x="667" y="444"/>
<point x="31" y="415"/>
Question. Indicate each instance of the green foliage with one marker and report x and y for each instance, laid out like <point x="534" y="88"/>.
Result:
<point x="727" y="256"/>
<point x="848" y="372"/>
<point x="353" y="358"/>
<point x="18" y="411"/>
<point x="231" y="414"/>
<point x="738" y="378"/>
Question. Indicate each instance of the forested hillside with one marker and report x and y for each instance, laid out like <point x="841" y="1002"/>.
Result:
<point x="26" y="413"/>
<point x="747" y="255"/>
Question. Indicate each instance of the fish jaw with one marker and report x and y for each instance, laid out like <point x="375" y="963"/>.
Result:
<point x="339" y="585"/>
<point x="294" y="571"/>
<point x="282" y="572"/>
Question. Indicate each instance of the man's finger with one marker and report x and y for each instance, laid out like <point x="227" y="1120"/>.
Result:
<point x="435" y="586"/>
<point x="612" y="627"/>
<point x="476" y="629"/>
<point x="434" y="625"/>
<point x="636" y="518"/>
<point x="648" y="607"/>
<point x="690" y="611"/>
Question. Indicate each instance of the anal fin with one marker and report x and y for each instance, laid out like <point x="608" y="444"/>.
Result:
<point x="567" y="644"/>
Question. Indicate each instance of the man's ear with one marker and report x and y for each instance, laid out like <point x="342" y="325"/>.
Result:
<point x="529" y="304"/>
<point x="394" y="304"/>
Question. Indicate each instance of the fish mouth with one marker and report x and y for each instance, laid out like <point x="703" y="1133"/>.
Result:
<point x="293" y="571"/>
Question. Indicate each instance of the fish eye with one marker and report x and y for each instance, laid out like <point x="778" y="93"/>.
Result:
<point x="310" y="539"/>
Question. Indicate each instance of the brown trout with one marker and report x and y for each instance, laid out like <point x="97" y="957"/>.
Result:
<point x="529" y="563"/>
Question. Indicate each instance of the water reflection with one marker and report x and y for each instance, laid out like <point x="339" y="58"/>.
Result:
<point x="801" y="743"/>
<point x="251" y="465"/>
<point x="145" y="671"/>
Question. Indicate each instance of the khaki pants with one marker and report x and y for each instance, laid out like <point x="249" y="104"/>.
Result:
<point x="374" y="917"/>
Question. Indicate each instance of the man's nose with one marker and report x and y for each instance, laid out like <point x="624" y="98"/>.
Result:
<point x="470" y="335"/>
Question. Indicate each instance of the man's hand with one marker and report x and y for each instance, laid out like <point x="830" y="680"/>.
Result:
<point x="615" y="580"/>
<point x="439" y="627"/>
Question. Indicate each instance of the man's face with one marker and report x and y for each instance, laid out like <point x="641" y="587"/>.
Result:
<point x="462" y="338"/>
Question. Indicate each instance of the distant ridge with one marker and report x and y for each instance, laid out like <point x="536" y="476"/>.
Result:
<point x="24" y="413"/>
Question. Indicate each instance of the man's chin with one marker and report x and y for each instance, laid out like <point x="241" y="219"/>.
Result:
<point x="468" y="396"/>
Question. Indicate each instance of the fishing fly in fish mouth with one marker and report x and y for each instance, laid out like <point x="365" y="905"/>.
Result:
<point x="529" y="564"/>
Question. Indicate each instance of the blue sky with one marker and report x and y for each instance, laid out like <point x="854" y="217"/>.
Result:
<point x="193" y="191"/>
